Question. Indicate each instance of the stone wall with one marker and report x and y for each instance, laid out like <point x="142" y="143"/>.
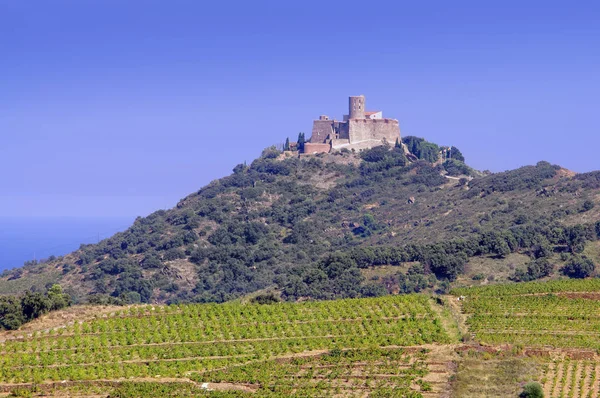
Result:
<point x="343" y="133"/>
<point x="373" y="130"/>
<point x="321" y="130"/>
<point x="311" y="148"/>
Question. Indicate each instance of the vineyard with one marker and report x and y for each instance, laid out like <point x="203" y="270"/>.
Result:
<point x="561" y="314"/>
<point x="558" y="322"/>
<point x="572" y="378"/>
<point x="391" y="346"/>
<point x="344" y="347"/>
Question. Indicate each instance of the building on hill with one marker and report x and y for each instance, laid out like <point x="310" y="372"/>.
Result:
<point x="359" y="129"/>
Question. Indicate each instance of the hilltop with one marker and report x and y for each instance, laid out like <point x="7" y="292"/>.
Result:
<point x="341" y="224"/>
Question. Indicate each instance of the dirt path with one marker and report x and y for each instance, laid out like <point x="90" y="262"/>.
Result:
<point x="456" y="311"/>
<point x="550" y="375"/>
<point x="595" y="388"/>
<point x="441" y="362"/>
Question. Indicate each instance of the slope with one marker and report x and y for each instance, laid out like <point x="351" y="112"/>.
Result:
<point x="312" y="227"/>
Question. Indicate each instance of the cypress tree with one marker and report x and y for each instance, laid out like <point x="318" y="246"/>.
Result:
<point x="301" y="142"/>
<point x="286" y="147"/>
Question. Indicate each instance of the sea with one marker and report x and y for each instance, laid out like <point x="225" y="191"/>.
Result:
<point x="27" y="238"/>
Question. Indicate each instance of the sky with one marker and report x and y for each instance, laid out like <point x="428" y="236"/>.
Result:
<point x="113" y="108"/>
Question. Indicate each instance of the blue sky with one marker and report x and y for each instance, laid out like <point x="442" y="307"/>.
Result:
<point x="119" y="108"/>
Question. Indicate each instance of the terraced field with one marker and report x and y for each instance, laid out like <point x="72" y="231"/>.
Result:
<point x="556" y="322"/>
<point x="393" y="346"/>
<point x="341" y="348"/>
<point x="555" y="314"/>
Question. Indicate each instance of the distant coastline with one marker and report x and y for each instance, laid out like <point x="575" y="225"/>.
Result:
<point x="25" y="238"/>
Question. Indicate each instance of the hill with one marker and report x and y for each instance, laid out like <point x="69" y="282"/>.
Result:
<point x="341" y="225"/>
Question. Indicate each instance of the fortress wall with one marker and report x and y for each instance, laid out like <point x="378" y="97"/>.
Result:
<point x="343" y="131"/>
<point x="321" y="129"/>
<point x="373" y="130"/>
<point x="310" y="147"/>
<point x="358" y="146"/>
<point x="340" y="143"/>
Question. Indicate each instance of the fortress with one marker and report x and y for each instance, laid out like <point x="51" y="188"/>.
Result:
<point x="359" y="130"/>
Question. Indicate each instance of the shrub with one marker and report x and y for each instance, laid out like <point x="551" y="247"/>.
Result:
<point x="532" y="390"/>
<point x="578" y="267"/>
<point x="587" y="206"/>
<point x="536" y="269"/>
<point x="455" y="167"/>
<point x="267" y="298"/>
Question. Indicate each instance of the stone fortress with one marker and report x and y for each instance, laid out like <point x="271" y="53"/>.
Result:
<point x="359" y="130"/>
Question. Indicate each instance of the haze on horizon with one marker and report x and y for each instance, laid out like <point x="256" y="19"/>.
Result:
<point x="111" y="108"/>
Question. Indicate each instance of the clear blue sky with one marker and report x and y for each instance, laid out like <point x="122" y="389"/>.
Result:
<point x="118" y="108"/>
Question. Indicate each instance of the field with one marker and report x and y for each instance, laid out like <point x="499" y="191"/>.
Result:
<point x="392" y="346"/>
<point x="381" y="346"/>
<point x="556" y="322"/>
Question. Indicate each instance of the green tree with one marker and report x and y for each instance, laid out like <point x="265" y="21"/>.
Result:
<point x="578" y="267"/>
<point x="11" y="314"/>
<point x="456" y="154"/>
<point x="286" y="147"/>
<point x="34" y="305"/>
<point x="57" y="298"/>
<point x="532" y="390"/>
<point x="301" y="141"/>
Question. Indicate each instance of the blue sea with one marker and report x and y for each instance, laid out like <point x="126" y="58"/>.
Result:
<point x="23" y="239"/>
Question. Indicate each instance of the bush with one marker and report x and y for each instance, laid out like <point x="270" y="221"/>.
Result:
<point x="578" y="267"/>
<point x="536" y="269"/>
<point x="422" y="149"/>
<point x="14" y="311"/>
<point x="587" y="206"/>
<point x="532" y="390"/>
<point x="527" y="177"/>
<point x="373" y="290"/>
<point x="267" y="298"/>
<point x="455" y="168"/>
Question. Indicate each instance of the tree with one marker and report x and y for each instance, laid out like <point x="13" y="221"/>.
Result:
<point x="578" y="267"/>
<point x="536" y="269"/>
<point x="286" y="147"/>
<point x="373" y="290"/>
<point x="57" y="298"/>
<point x="532" y="390"/>
<point x="500" y="248"/>
<point x="541" y="247"/>
<point x="587" y="206"/>
<point x="301" y="141"/>
<point x="11" y="314"/>
<point x="34" y="305"/>
<point x="456" y="154"/>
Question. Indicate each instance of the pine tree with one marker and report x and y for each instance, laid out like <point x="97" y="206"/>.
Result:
<point x="286" y="147"/>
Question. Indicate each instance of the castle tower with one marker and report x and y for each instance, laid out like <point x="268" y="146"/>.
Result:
<point x="357" y="107"/>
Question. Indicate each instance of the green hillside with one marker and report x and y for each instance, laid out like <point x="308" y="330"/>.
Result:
<point x="341" y="225"/>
